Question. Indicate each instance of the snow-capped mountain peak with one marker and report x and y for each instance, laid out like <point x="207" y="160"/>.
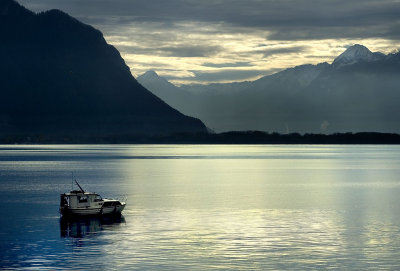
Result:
<point x="152" y="81"/>
<point x="149" y="75"/>
<point x="354" y="54"/>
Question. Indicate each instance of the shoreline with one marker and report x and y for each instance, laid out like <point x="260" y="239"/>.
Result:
<point x="229" y="138"/>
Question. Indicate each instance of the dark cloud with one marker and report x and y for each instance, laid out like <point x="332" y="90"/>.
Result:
<point x="286" y="19"/>
<point x="391" y="30"/>
<point x="285" y="50"/>
<point x="172" y="51"/>
<point x="231" y="30"/>
<point x="228" y="65"/>
<point x="222" y="75"/>
<point x="191" y="51"/>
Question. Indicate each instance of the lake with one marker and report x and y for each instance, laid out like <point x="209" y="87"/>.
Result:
<point x="204" y="207"/>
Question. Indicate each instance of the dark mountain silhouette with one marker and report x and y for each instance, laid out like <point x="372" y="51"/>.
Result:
<point x="59" y="76"/>
<point x="358" y="92"/>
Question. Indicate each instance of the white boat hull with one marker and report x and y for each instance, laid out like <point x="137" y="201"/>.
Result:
<point x="113" y="209"/>
<point x="81" y="211"/>
<point x="93" y="211"/>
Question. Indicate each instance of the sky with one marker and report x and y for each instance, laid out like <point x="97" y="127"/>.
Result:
<point x="206" y="41"/>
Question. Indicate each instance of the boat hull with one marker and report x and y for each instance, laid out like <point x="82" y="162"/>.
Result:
<point x="113" y="209"/>
<point x="81" y="211"/>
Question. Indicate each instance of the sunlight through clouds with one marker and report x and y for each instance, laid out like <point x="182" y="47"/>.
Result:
<point x="184" y="40"/>
<point x="178" y="53"/>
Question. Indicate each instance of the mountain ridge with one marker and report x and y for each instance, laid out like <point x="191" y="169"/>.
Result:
<point x="59" y="76"/>
<point x="355" y="96"/>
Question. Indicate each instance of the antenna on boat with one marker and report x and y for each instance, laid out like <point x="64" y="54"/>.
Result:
<point x="72" y="180"/>
<point x="83" y="191"/>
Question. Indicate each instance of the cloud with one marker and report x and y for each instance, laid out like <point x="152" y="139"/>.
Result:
<point x="227" y="65"/>
<point x="282" y="50"/>
<point x="234" y="38"/>
<point x="225" y="75"/>
<point x="173" y="51"/>
<point x="391" y="30"/>
<point x="191" y="51"/>
<point x="292" y="19"/>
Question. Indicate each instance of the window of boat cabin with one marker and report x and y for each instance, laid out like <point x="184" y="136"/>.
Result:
<point x="64" y="201"/>
<point x="82" y="199"/>
<point x="98" y="198"/>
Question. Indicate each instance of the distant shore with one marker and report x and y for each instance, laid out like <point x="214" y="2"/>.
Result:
<point x="245" y="137"/>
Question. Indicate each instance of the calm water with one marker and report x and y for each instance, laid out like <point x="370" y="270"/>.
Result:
<point x="204" y="207"/>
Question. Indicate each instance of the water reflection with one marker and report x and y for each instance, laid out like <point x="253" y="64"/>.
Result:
<point x="79" y="227"/>
<point x="204" y="208"/>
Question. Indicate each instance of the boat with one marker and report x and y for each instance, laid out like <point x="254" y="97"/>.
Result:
<point x="82" y="203"/>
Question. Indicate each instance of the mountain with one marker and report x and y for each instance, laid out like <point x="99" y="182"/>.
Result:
<point x="59" y="76"/>
<point x="166" y="91"/>
<point x="358" y="92"/>
<point x="356" y="53"/>
<point x="210" y="103"/>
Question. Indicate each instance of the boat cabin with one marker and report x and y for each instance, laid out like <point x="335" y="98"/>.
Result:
<point x="79" y="199"/>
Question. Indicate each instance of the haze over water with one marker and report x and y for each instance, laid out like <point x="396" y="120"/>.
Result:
<point x="201" y="207"/>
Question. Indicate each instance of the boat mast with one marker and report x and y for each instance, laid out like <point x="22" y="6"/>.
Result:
<point x="79" y="187"/>
<point x="72" y="180"/>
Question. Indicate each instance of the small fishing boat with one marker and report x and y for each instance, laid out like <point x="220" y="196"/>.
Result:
<point x="81" y="203"/>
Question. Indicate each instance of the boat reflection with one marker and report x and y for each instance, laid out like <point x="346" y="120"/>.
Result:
<point x="83" y="226"/>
